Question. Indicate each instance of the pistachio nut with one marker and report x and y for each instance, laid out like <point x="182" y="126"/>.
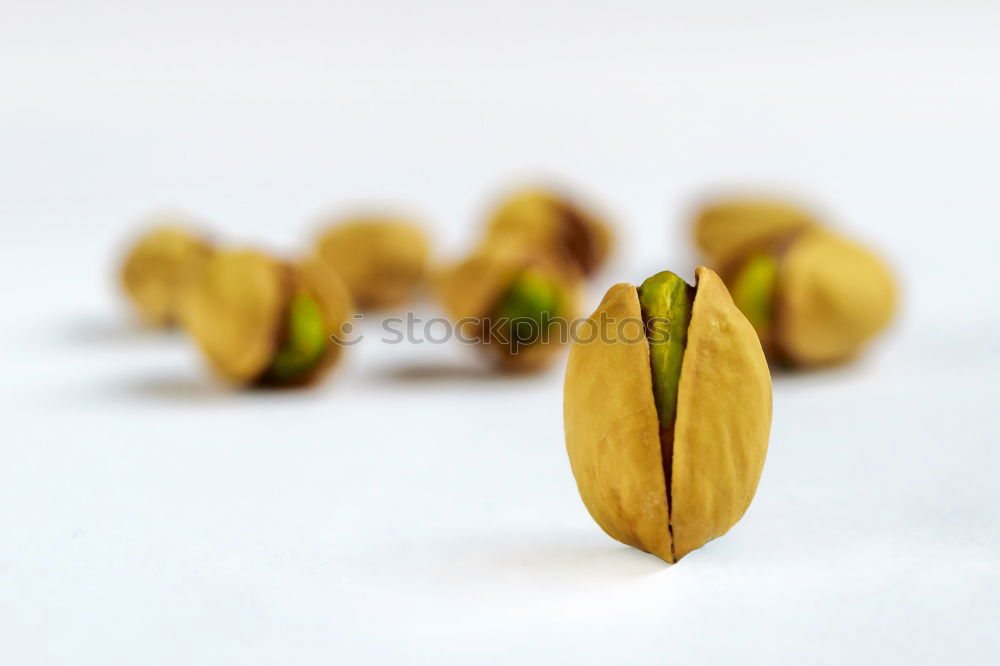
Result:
<point x="726" y="226"/>
<point x="555" y="225"/>
<point x="667" y="413"/>
<point x="517" y="305"/>
<point x="382" y="260"/>
<point x="264" y="322"/>
<point x="815" y="298"/>
<point x="157" y="268"/>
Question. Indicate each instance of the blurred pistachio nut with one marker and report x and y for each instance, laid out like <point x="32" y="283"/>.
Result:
<point x="667" y="413"/>
<point x="727" y="226"/>
<point x="264" y="322"/>
<point x="815" y="299"/>
<point x="157" y="269"/>
<point x="554" y="225"/>
<point x="517" y="305"/>
<point x="383" y="261"/>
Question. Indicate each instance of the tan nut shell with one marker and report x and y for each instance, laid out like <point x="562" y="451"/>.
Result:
<point x="723" y="419"/>
<point x="315" y="277"/>
<point x="552" y="224"/>
<point x="469" y="290"/>
<point x="236" y="307"/>
<point x="383" y="261"/>
<point x="157" y="268"/>
<point x="724" y="228"/>
<point x="834" y="296"/>
<point x="613" y="433"/>
<point x="720" y="434"/>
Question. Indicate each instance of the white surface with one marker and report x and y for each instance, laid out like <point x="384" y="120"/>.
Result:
<point x="411" y="510"/>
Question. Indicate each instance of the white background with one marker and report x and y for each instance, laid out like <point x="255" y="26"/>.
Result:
<point x="413" y="509"/>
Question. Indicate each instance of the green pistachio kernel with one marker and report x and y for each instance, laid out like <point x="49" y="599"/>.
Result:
<point x="305" y="341"/>
<point x="666" y="302"/>
<point x="528" y="305"/>
<point x="752" y="290"/>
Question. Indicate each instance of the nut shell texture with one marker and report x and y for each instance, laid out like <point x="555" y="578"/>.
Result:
<point x="613" y="433"/>
<point x="382" y="261"/>
<point x="725" y="228"/>
<point x="834" y="295"/>
<point x="234" y="311"/>
<point x="470" y="290"/>
<point x="315" y="277"/>
<point x="723" y="419"/>
<point x="547" y="222"/>
<point x="157" y="269"/>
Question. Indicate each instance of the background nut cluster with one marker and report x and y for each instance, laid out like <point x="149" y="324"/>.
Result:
<point x="666" y="431"/>
<point x="815" y="297"/>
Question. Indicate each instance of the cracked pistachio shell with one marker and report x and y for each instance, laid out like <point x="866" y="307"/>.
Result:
<point x="316" y="278"/>
<point x="470" y="290"/>
<point x="833" y="297"/>
<point x="157" y="268"/>
<point x="724" y="228"/>
<point x="554" y="225"/>
<point x="720" y="432"/>
<point x="383" y="261"/>
<point x="235" y="310"/>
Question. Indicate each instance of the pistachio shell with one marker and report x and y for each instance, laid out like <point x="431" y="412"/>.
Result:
<point x="720" y="432"/>
<point x="383" y="261"/>
<point x="234" y="309"/>
<point x="469" y="291"/>
<point x="554" y="225"/>
<point x="540" y="354"/>
<point x="833" y="296"/>
<point x="725" y="228"/>
<point x="319" y="280"/>
<point x="613" y="433"/>
<point x="156" y="269"/>
<point x="723" y="419"/>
